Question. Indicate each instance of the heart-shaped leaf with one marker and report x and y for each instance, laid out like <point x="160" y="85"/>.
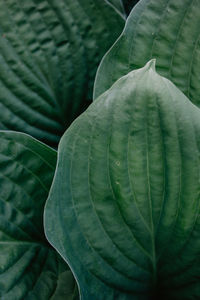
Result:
<point x="49" y="52"/>
<point x="167" y="30"/>
<point x="29" y="267"/>
<point x="124" y="206"/>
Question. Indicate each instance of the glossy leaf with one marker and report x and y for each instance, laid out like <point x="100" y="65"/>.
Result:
<point x="49" y="52"/>
<point x="29" y="267"/>
<point x="167" y="30"/>
<point x="124" y="206"/>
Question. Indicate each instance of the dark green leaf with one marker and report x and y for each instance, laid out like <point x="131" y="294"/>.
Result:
<point x="167" y="30"/>
<point x="29" y="267"/>
<point x="49" y="52"/>
<point x="124" y="206"/>
<point x="118" y="5"/>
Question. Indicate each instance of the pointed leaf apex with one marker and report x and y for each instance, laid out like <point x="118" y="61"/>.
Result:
<point x="151" y="64"/>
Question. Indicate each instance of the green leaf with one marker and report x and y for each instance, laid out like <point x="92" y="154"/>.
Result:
<point x="167" y="30"/>
<point x="49" y="53"/>
<point x="124" y="206"/>
<point x="118" y="5"/>
<point x="29" y="267"/>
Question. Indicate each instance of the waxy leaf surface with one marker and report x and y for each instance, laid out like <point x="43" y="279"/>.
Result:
<point x="124" y="206"/>
<point x="49" y="53"/>
<point x="167" y="30"/>
<point x="29" y="267"/>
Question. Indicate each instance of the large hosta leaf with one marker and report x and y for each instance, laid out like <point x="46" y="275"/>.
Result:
<point x="164" y="29"/>
<point x="124" y="206"/>
<point x="49" y="52"/>
<point x="29" y="267"/>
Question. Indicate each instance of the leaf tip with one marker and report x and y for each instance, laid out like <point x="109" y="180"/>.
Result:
<point x="151" y="64"/>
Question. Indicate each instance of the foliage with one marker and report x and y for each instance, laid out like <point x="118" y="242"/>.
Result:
<point x="43" y="46"/>
<point x="122" y="212"/>
<point x="118" y="4"/>
<point x="30" y="268"/>
<point x="145" y="133"/>
<point x="123" y="6"/>
<point x="163" y="29"/>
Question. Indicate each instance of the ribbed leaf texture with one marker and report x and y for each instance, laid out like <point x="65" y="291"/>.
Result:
<point x="29" y="267"/>
<point x="49" y="52"/>
<point x="167" y="30"/>
<point x="124" y="206"/>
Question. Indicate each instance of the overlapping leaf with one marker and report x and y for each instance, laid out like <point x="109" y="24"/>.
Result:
<point x="29" y="266"/>
<point x="123" y="6"/>
<point x="49" y="52"/>
<point x="118" y="5"/>
<point x="167" y="30"/>
<point x="124" y="206"/>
